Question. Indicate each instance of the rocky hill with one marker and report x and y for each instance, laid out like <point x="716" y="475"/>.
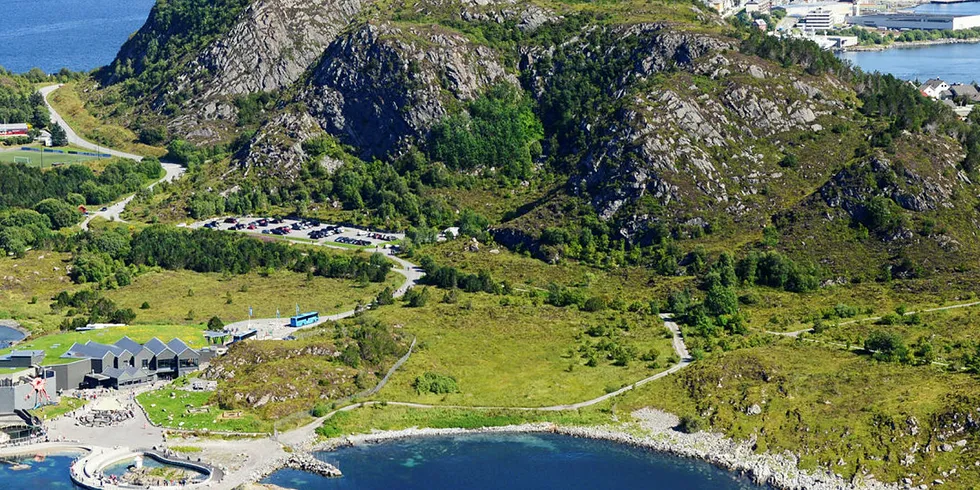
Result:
<point x="652" y="118"/>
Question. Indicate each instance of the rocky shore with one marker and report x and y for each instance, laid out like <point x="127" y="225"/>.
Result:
<point x="297" y="461"/>
<point x="654" y="430"/>
<point x="913" y="44"/>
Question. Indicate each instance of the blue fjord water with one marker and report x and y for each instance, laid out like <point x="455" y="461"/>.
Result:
<point x="512" y="461"/>
<point x="950" y="62"/>
<point x="77" y="34"/>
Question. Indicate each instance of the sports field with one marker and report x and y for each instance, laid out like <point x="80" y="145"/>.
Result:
<point x="35" y="159"/>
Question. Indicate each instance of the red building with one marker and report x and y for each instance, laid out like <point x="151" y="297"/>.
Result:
<point x="7" y="130"/>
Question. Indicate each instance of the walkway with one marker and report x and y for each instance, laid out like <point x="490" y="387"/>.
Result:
<point x="172" y="171"/>
<point x="278" y="328"/>
<point x="796" y="333"/>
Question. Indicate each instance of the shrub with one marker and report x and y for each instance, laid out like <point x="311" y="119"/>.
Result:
<point x="435" y="383"/>
<point x="145" y="305"/>
<point x="887" y="346"/>
<point x="215" y="324"/>
<point x="690" y="424"/>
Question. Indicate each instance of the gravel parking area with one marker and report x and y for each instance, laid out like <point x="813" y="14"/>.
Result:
<point x="312" y="230"/>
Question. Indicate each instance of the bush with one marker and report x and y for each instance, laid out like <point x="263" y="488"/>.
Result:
<point x="417" y="297"/>
<point x="439" y="384"/>
<point x="690" y="424"/>
<point x="215" y="324"/>
<point x="887" y="346"/>
<point x="145" y="305"/>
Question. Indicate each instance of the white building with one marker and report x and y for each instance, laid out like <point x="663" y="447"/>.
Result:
<point x="934" y="88"/>
<point x="821" y="20"/>
<point x="836" y="11"/>
<point x="915" y="21"/>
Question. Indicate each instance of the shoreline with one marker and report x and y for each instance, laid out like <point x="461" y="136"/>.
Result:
<point x="654" y="431"/>
<point x="908" y="45"/>
<point x="17" y="327"/>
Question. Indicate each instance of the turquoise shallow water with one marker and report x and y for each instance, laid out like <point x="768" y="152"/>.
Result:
<point x="50" y="474"/>
<point x="77" y="34"/>
<point x="511" y="461"/>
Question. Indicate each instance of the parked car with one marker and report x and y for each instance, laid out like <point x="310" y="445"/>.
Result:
<point x="231" y="220"/>
<point x="251" y="226"/>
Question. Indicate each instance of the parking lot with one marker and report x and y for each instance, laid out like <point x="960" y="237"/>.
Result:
<point x="313" y="230"/>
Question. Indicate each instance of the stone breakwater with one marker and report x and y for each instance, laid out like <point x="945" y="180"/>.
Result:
<point x="654" y="430"/>
<point x="297" y="461"/>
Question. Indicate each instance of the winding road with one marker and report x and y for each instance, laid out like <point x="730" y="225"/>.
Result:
<point x="172" y="171"/>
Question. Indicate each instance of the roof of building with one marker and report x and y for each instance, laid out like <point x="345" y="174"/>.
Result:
<point x="8" y="127"/>
<point x="130" y="345"/>
<point x="964" y="90"/>
<point x="178" y="346"/>
<point x="211" y="334"/>
<point x="933" y="83"/>
<point x="156" y="346"/>
<point x="92" y="350"/>
<point x="23" y="353"/>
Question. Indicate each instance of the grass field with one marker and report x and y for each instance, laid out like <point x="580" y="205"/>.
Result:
<point x="520" y="354"/>
<point x="182" y="409"/>
<point x="525" y="272"/>
<point x="38" y="275"/>
<point x="70" y="106"/>
<point x="56" y="344"/>
<point x="839" y="410"/>
<point x="173" y="294"/>
<point x="65" y="405"/>
<point x="41" y="160"/>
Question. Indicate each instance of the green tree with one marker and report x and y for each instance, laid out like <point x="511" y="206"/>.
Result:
<point x="59" y="137"/>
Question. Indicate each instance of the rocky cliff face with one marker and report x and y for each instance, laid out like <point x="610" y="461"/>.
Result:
<point x="702" y="138"/>
<point x="379" y="88"/>
<point x="271" y="45"/>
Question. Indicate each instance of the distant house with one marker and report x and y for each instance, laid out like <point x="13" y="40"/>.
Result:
<point x="12" y="130"/>
<point x="966" y="91"/>
<point x="934" y="88"/>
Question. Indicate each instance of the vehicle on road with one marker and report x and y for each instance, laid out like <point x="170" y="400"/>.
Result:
<point x="104" y="209"/>
<point x="231" y="220"/>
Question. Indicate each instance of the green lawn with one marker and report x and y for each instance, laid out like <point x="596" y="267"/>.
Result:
<point x="43" y="160"/>
<point x="65" y="405"/>
<point x="175" y="408"/>
<point x="173" y="294"/>
<point x="56" y="344"/>
<point x="521" y="354"/>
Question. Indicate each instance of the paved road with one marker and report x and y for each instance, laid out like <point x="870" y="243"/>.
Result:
<point x="278" y="328"/>
<point x="73" y="138"/>
<point x="172" y="171"/>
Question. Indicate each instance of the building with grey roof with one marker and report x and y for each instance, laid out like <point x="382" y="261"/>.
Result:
<point x="128" y="362"/>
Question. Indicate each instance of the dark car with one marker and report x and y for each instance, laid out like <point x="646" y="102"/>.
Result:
<point x="231" y="220"/>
